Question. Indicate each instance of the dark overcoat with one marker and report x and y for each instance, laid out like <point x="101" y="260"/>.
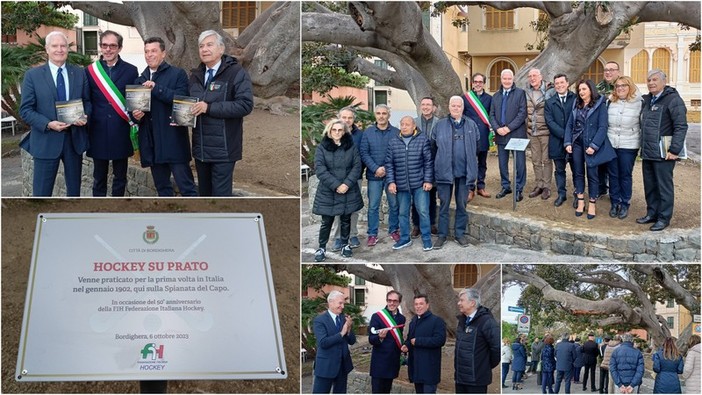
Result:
<point x="424" y="359"/>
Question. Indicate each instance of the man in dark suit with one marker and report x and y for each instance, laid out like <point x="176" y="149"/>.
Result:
<point x="163" y="147"/>
<point x="565" y="357"/>
<point x="334" y="333"/>
<point x="590" y="353"/>
<point x="50" y="141"/>
<point x="387" y="343"/>
<point x="109" y="125"/>
<point x="507" y="118"/>
<point x="426" y="337"/>
<point x="557" y="111"/>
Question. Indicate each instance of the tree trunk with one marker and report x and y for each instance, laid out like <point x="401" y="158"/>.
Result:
<point x="435" y="281"/>
<point x="271" y="54"/>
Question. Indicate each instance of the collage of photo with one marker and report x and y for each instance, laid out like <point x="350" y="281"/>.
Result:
<point x="351" y="197"/>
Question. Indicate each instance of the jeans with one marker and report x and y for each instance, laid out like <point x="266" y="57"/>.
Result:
<point x="579" y="165"/>
<point x="503" y="158"/>
<point x="505" y="371"/>
<point x="432" y="209"/>
<point x="560" y="376"/>
<point x="546" y="382"/>
<point x="620" y="182"/>
<point x="460" y="192"/>
<point x="517" y="376"/>
<point x="576" y="373"/>
<point x="375" y="194"/>
<point x="560" y="174"/>
<point x="421" y="202"/>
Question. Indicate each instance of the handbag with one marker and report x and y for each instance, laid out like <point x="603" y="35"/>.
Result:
<point x="538" y="367"/>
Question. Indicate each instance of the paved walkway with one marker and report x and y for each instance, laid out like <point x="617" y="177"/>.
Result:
<point x="530" y="386"/>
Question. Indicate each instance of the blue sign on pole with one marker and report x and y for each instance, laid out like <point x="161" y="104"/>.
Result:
<point x="515" y="309"/>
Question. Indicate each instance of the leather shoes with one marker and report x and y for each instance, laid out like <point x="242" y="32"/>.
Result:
<point x="471" y="195"/>
<point x="536" y="192"/>
<point x="559" y="201"/>
<point x="546" y="194"/>
<point x="503" y="193"/>
<point x="520" y="197"/>
<point x="646" y="220"/>
<point x="614" y="211"/>
<point x="658" y="226"/>
<point x="483" y="193"/>
<point x="623" y="212"/>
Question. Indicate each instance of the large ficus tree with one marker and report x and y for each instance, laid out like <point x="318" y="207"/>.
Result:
<point x="578" y="33"/>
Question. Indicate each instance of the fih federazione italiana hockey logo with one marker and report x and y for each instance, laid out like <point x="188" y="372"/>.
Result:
<point x="150" y="235"/>
<point x="150" y="351"/>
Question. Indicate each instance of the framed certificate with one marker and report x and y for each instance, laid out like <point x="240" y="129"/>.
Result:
<point x="150" y="297"/>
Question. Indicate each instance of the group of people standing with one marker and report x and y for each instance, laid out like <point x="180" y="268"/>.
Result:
<point x="598" y="131"/>
<point x="419" y="346"/>
<point x="621" y="364"/>
<point x="221" y="85"/>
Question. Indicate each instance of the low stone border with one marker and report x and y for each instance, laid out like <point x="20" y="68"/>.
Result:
<point x="492" y="226"/>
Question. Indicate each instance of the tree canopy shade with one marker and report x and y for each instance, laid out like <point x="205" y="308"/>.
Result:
<point x="612" y="297"/>
<point x="269" y="48"/>
<point x="578" y="33"/>
<point x="30" y="15"/>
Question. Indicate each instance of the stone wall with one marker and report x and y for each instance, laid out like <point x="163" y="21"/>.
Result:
<point x="498" y="227"/>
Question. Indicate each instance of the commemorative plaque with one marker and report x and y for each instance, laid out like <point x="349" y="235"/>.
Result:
<point x="150" y="297"/>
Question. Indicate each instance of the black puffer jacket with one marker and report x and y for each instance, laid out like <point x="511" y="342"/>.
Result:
<point x="219" y="133"/>
<point x="667" y="117"/>
<point x="336" y="165"/>
<point x="477" y="348"/>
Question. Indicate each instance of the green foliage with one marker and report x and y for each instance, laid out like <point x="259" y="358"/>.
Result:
<point x="313" y="119"/>
<point x="317" y="276"/>
<point x="509" y="330"/>
<point x="29" y="15"/>
<point x="324" y="68"/>
<point x="540" y="26"/>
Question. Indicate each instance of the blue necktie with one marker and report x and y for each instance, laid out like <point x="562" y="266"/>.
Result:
<point x="504" y="108"/>
<point x="338" y="323"/>
<point x="653" y="100"/>
<point x="60" y="86"/>
<point x="209" y="78"/>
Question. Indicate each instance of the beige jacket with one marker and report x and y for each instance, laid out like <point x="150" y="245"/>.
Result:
<point x="691" y="374"/>
<point x="611" y="346"/>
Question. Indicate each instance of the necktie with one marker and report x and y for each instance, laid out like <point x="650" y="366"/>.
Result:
<point x="209" y="77"/>
<point x="563" y="98"/>
<point x="60" y="86"/>
<point x="504" y="108"/>
<point x="338" y="323"/>
<point x="653" y="99"/>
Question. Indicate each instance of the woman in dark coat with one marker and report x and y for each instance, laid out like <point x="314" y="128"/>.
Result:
<point x="338" y="167"/>
<point x="586" y="139"/>
<point x="548" y="365"/>
<point x="519" y="360"/>
<point x="668" y="364"/>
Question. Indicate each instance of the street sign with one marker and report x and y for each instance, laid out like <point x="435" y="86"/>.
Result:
<point x="515" y="309"/>
<point x="150" y="297"/>
<point x="523" y="323"/>
<point x="697" y="318"/>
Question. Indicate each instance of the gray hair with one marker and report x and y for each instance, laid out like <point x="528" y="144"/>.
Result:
<point x="348" y="108"/>
<point x="379" y="106"/>
<point x="470" y="294"/>
<point x="334" y="295"/>
<point x="219" y="39"/>
<point x="506" y="71"/>
<point x="534" y="69"/>
<point x="659" y="72"/>
<point x="627" y="337"/>
<point x="49" y="37"/>
<point x="565" y="336"/>
<point x="456" y="97"/>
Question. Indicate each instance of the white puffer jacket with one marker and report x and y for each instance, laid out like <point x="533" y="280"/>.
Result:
<point x="624" y="129"/>
<point x="691" y="374"/>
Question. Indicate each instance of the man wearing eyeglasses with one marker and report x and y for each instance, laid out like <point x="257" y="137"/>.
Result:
<point x="109" y="127"/>
<point x="477" y="349"/>
<point x="477" y="111"/>
<point x="606" y="87"/>
<point x="387" y="344"/>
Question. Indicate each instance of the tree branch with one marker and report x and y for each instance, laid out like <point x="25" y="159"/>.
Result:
<point x="112" y="12"/>
<point x="665" y="280"/>
<point x="366" y="273"/>
<point x="685" y="12"/>
<point x="383" y="76"/>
